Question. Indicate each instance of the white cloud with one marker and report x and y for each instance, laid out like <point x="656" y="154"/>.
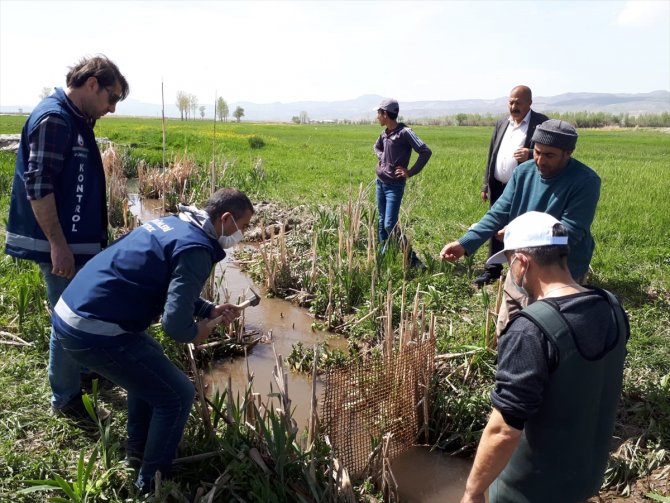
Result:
<point x="643" y="13"/>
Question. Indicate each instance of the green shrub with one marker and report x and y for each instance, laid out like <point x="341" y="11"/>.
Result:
<point x="256" y="141"/>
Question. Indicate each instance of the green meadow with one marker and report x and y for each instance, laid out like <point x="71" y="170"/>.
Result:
<point x="322" y="166"/>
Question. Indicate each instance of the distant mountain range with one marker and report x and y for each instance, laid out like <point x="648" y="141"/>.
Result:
<point x="362" y="108"/>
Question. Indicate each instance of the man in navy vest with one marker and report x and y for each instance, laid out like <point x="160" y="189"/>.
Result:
<point x="557" y="389"/>
<point x="101" y="320"/>
<point x="58" y="209"/>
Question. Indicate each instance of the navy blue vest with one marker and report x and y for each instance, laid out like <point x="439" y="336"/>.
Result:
<point x="79" y="191"/>
<point x="123" y="289"/>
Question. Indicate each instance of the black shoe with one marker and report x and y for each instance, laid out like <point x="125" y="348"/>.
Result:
<point x="76" y="411"/>
<point x="415" y="262"/>
<point x="486" y="278"/>
<point x="132" y="462"/>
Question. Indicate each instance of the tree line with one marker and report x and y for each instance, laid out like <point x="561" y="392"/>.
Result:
<point x="578" y="119"/>
<point x="188" y="104"/>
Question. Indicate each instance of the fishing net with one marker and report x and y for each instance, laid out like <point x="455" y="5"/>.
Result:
<point x="388" y="395"/>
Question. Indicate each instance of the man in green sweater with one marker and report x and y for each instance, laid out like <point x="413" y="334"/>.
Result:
<point x="552" y="182"/>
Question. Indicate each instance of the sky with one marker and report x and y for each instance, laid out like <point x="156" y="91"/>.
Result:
<point x="278" y="51"/>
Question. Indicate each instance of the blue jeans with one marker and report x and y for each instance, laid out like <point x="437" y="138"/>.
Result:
<point x="160" y="396"/>
<point x="389" y="197"/>
<point x="64" y="372"/>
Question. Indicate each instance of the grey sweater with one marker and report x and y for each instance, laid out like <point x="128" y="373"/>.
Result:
<point x="394" y="148"/>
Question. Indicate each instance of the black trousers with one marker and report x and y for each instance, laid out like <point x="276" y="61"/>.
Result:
<point x="496" y="189"/>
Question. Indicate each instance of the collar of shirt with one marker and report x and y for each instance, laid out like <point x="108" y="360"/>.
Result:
<point x="525" y="120"/>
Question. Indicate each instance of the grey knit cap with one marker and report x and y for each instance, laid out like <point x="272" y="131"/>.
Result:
<point x="390" y="105"/>
<point x="556" y="133"/>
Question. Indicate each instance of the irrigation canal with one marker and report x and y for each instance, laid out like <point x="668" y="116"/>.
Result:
<point x="422" y="476"/>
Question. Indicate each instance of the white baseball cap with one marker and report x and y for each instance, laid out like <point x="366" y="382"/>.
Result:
<point x="529" y="230"/>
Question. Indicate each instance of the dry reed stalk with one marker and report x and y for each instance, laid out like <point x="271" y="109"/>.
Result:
<point x="426" y="409"/>
<point x="258" y="459"/>
<point x="388" y="332"/>
<point x="423" y="322"/>
<point x="117" y="191"/>
<point x="250" y="376"/>
<point x="373" y="283"/>
<point x="212" y="166"/>
<point x="389" y="483"/>
<point x="15" y="340"/>
<point x="312" y="274"/>
<point x="340" y="240"/>
<point x="358" y="321"/>
<point x="343" y="485"/>
<point x="451" y="356"/>
<point x="415" y="314"/>
<point x="267" y="255"/>
<point x="281" y="378"/>
<point x="358" y="213"/>
<point x="401" y="328"/>
<point x="313" y="424"/>
<point x="220" y="482"/>
<point x="195" y="457"/>
<point x="158" y="485"/>
<point x="372" y="238"/>
<point x="330" y="307"/>
<point x="203" y="408"/>
<point x="282" y="245"/>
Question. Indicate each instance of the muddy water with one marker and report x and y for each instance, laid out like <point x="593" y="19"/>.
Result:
<point x="422" y="476"/>
<point x="430" y="477"/>
<point x="288" y="325"/>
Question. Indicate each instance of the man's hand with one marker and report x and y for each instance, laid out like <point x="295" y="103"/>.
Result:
<point x="522" y="154"/>
<point x="452" y="251"/>
<point x="473" y="498"/>
<point x="485" y="196"/>
<point x="62" y="261"/>
<point x="46" y="215"/>
<point x="228" y="311"/>
<point x="203" y="332"/>
<point x="500" y="235"/>
<point x="401" y="172"/>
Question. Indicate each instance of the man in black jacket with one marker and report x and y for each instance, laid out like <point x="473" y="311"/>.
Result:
<point x="510" y="146"/>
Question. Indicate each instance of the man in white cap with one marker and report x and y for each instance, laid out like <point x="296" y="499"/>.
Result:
<point x="558" y="381"/>
<point x="552" y="182"/>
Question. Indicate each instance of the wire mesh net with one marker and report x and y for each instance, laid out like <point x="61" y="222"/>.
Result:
<point x="365" y="401"/>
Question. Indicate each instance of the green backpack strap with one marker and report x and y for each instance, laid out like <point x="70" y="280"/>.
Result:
<point x="617" y="313"/>
<point x="547" y="318"/>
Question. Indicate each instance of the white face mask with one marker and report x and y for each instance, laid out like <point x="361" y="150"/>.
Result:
<point x="230" y="241"/>
<point x="519" y="287"/>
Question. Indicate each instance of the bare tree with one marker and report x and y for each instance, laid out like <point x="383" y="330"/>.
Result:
<point x="222" y="109"/>
<point x="193" y="100"/>
<point x="183" y="104"/>
<point x="46" y="91"/>
<point x="304" y="118"/>
<point x="202" y="111"/>
<point x="238" y="113"/>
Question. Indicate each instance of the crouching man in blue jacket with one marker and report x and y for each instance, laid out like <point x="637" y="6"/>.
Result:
<point x="102" y="318"/>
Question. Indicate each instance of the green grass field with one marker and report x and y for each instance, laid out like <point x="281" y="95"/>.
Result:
<point x="321" y="165"/>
